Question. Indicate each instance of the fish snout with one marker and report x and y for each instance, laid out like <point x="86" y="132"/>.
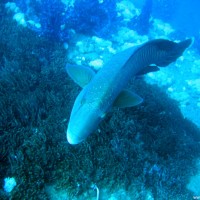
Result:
<point x="73" y="138"/>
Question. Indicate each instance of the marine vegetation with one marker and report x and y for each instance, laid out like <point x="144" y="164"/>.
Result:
<point x="59" y="19"/>
<point x="148" y="150"/>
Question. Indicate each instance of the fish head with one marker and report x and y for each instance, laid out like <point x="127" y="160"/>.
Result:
<point x="84" y="119"/>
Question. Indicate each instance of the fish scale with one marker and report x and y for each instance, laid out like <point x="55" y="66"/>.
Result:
<point x="106" y="89"/>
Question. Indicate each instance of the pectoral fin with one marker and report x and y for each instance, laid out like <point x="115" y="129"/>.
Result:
<point x="127" y="99"/>
<point x="81" y="75"/>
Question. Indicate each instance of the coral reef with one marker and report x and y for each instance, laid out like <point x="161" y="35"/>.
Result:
<point x="142" y="22"/>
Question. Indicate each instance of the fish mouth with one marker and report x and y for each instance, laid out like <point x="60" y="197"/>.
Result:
<point x="71" y="140"/>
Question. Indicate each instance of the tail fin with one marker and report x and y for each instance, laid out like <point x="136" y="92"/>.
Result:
<point x="158" y="52"/>
<point x="168" y="51"/>
<point x="184" y="44"/>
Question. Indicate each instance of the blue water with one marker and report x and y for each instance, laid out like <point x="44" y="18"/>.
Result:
<point x="151" y="151"/>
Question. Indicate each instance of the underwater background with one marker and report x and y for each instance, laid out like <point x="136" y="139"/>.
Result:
<point x="148" y="152"/>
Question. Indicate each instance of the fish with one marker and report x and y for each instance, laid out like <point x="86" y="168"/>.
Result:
<point x="106" y="88"/>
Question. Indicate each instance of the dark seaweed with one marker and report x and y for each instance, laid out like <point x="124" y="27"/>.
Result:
<point x="86" y="17"/>
<point x="149" y="147"/>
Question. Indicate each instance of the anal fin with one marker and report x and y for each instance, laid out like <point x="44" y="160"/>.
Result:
<point x="151" y="68"/>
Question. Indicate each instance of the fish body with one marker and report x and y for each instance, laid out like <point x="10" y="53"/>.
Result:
<point x="106" y="88"/>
